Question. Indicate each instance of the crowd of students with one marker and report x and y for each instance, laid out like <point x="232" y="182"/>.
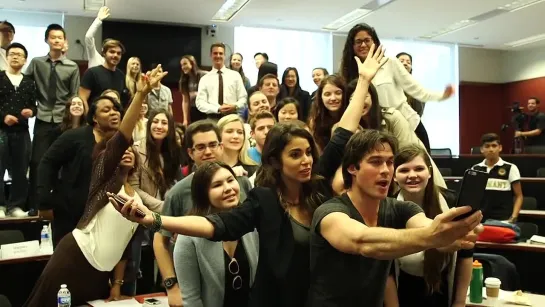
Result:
<point x="264" y="195"/>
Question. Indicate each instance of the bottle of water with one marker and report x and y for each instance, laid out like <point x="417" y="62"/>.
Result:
<point x="63" y="297"/>
<point x="45" y="240"/>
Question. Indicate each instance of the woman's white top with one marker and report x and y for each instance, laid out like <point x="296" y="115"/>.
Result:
<point x="106" y="237"/>
<point x="392" y="81"/>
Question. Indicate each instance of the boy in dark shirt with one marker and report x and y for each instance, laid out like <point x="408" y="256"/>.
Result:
<point x="354" y="237"/>
<point x="17" y="104"/>
<point x="503" y="197"/>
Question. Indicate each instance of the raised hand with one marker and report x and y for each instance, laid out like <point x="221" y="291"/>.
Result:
<point x="449" y="91"/>
<point x="373" y="62"/>
<point x="151" y="79"/>
<point x="103" y="13"/>
<point x="445" y="230"/>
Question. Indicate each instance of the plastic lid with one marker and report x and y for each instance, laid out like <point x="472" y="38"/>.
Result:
<point x="477" y="264"/>
<point x="492" y="281"/>
<point x="45" y="226"/>
<point x="63" y="286"/>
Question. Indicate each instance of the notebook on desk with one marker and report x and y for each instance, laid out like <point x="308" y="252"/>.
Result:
<point x="535" y="239"/>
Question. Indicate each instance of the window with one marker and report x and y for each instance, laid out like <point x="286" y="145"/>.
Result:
<point x="286" y="48"/>
<point x="434" y="66"/>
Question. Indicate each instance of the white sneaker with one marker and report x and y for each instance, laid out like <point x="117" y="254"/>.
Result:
<point x="2" y="212"/>
<point x="17" y="212"/>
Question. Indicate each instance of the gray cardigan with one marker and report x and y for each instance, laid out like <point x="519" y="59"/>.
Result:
<point x="200" y="268"/>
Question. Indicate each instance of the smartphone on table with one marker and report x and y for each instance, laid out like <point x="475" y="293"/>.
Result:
<point x="472" y="191"/>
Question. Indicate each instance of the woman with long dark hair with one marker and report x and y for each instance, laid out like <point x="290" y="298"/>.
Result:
<point x="287" y="110"/>
<point x="215" y="274"/>
<point x="427" y="278"/>
<point x="85" y="258"/>
<point x="73" y="114"/>
<point x="327" y="109"/>
<point x="188" y="86"/>
<point x="392" y="81"/>
<point x="290" y="185"/>
<point x="235" y="63"/>
<point x="160" y="156"/>
<point x="290" y="88"/>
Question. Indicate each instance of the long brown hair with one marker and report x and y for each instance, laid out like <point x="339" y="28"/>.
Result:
<point x="240" y="71"/>
<point x="349" y="67"/>
<point x="270" y="173"/>
<point x="66" y="123"/>
<point x="183" y="84"/>
<point x="433" y="259"/>
<point x="200" y="186"/>
<point x="164" y="174"/>
<point x="320" y="120"/>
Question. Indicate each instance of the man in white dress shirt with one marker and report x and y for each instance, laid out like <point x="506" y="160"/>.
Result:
<point x="7" y="31"/>
<point x="221" y="91"/>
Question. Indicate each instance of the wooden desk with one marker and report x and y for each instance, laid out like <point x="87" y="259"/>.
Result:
<point x="25" y="259"/>
<point x="524" y="247"/>
<point x="140" y="298"/>
<point x="540" y="214"/>
<point x="527" y="164"/>
<point x="20" y="220"/>
<point x="535" y="299"/>
<point x="522" y="179"/>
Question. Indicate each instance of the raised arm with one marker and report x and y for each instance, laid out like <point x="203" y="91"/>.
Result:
<point x="352" y="237"/>
<point x="94" y="57"/>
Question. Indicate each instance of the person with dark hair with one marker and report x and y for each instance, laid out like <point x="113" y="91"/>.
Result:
<point x="427" y="278"/>
<point x="260" y="58"/>
<point x="7" y="31"/>
<point x="221" y="91"/>
<point x="292" y="182"/>
<point x="105" y="76"/>
<point x="211" y="273"/>
<point x="392" y="81"/>
<point x="270" y="86"/>
<point x="235" y="63"/>
<point x="355" y="236"/>
<point x="17" y="105"/>
<point x="266" y="69"/>
<point x="536" y="124"/>
<point x="160" y="98"/>
<point x="86" y="258"/>
<point x="287" y="110"/>
<point x="327" y="109"/>
<point x="503" y="196"/>
<point x="94" y="57"/>
<point x="57" y="80"/>
<point x="260" y="125"/>
<point x="74" y="116"/>
<point x="290" y="88"/>
<point x="189" y="85"/>
<point x="203" y="144"/>
<point x="318" y="74"/>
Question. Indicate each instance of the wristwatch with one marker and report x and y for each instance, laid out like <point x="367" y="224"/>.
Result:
<point x="170" y="282"/>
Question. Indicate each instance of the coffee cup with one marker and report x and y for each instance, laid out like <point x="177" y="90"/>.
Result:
<point x="492" y="288"/>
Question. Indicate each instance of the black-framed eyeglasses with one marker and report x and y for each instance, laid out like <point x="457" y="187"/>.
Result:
<point x="202" y="147"/>
<point x="368" y="41"/>
<point x="234" y="269"/>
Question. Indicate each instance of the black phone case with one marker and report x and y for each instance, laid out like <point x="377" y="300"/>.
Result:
<point x="472" y="191"/>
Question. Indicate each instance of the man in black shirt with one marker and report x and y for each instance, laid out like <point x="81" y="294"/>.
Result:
<point x="17" y="104"/>
<point x="536" y="124"/>
<point x="106" y="76"/>
<point x="355" y="237"/>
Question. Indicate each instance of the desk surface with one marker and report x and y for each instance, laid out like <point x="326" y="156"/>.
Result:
<point x="532" y="213"/>
<point x="535" y="299"/>
<point x="522" y="179"/>
<point x="25" y="259"/>
<point x="20" y="220"/>
<point x="527" y="247"/>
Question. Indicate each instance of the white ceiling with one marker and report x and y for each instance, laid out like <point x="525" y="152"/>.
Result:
<point x="407" y="19"/>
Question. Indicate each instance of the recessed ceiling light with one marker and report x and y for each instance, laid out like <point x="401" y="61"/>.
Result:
<point x="519" y="5"/>
<point x="228" y="10"/>
<point x="526" y="41"/>
<point x="93" y="5"/>
<point x="347" y="19"/>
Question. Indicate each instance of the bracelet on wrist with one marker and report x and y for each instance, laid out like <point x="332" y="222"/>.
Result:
<point x="157" y="223"/>
<point x="116" y="282"/>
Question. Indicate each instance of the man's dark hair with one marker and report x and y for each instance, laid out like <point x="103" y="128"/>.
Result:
<point x="9" y="25"/>
<point x="222" y="45"/>
<point x="54" y="27"/>
<point x="263" y="54"/>
<point x="17" y="45"/>
<point x="265" y="77"/>
<point x="204" y="125"/>
<point x="489" y="138"/>
<point x="362" y="144"/>
<point x="534" y="98"/>
<point x="405" y="53"/>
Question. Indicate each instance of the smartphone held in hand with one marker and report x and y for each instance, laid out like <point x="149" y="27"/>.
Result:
<point x="121" y="201"/>
<point x="472" y="191"/>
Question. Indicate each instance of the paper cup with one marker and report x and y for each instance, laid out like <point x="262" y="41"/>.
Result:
<point x="492" y="287"/>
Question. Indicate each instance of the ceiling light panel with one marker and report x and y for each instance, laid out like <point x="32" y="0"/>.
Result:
<point x="526" y="41"/>
<point x="347" y="19"/>
<point x="459" y="25"/>
<point x="228" y="10"/>
<point x="519" y="5"/>
<point x="93" y="5"/>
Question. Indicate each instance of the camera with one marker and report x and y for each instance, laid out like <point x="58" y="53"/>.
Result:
<point x="518" y="117"/>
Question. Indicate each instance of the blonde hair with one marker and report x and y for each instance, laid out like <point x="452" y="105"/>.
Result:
<point x="130" y="81"/>
<point x="243" y="153"/>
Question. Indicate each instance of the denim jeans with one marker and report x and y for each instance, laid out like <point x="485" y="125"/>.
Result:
<point x="15" y="153"/>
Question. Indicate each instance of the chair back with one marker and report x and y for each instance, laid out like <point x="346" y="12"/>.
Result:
<point x="11" y="236"/>
<point x="441" y="152"/>
<point x="527" y="230"/>
<point x="541" y="172"/>
<point x="529" y="203"/>
<point x="534" y="149"/>
<point x="499" y="267"/>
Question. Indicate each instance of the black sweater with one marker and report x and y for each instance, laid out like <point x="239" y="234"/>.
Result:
<point x="13" y="101"/>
